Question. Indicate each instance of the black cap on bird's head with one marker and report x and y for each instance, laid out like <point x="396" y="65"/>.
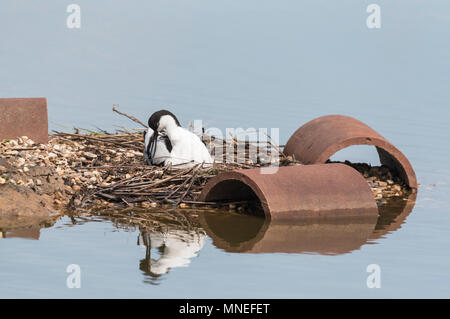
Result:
<point x="153" y="121"/>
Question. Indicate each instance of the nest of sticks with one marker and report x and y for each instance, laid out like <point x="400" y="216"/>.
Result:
<point x="110" y="169"/>
<point x="130" y="180"/>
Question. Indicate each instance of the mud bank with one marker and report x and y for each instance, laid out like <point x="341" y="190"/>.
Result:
<point x="23" y="206"/>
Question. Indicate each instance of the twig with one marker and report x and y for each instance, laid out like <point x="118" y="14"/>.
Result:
<point x="129" y="116"/>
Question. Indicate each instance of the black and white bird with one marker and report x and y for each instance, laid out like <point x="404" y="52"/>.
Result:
<point x="157" y="147"/>
<point x="166" y="142"/>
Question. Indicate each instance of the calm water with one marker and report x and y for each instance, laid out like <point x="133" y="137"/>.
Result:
<point x="258" y="64"/>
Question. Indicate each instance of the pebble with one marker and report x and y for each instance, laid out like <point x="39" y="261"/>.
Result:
<point x="90" y="155"/>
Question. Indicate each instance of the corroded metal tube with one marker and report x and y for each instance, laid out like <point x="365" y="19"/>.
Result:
<point x="316" y="141"/>
<point x="293" y="191"/>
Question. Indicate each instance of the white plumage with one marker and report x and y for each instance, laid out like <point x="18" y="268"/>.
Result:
<point x="183" y="148"/>
<point x="158" y="153"/>
<point x="187" y="148"/>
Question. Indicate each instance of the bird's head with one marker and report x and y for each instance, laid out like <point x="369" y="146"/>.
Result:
<point x="161" y="120"/>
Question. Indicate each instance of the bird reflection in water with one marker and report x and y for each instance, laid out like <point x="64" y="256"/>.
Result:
<point x="174" y="248"/>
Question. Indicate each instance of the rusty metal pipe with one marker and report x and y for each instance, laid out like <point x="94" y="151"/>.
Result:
<point x="293" y="191"/>
<point x="316" y="141"/>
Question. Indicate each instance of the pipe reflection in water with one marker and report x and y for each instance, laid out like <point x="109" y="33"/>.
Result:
<point x="393" y="215"/>
<point x="175" y="247"/>
<point x="327" y="235"/>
